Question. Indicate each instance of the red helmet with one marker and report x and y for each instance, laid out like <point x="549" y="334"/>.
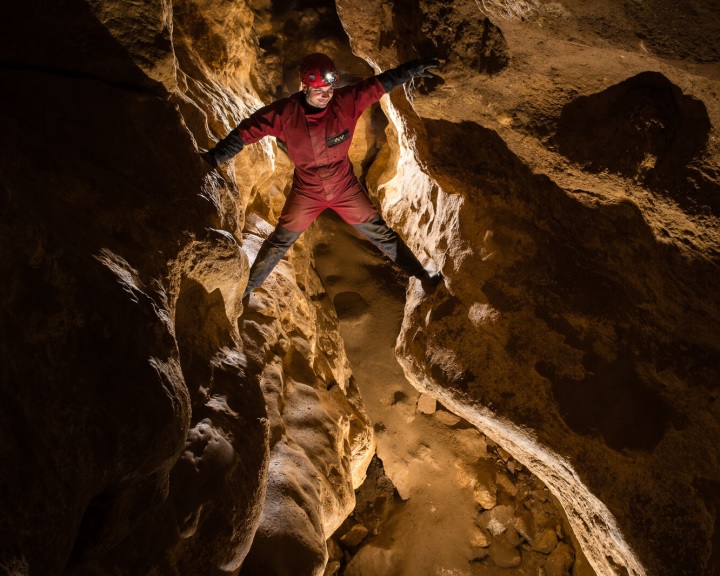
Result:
<point x="317" y="70"/>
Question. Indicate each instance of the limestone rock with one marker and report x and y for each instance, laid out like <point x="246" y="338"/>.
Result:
<point x="473" y="441"/>
<point x="546" y="541"/>
<point x="514" y="466"/>
<point x="503" y="481"/>
<point x="503" y="554"/>
<point x="447" y="418"/>
<point x="543" y="371"/>
<point x="354" y="536"/>
<point x="497" y="520"/>
<point x="322" y="442"/>
<point x="371" y="560"/>
<point x="560" y="561"/>
<point x="144" y="378"/>
<point x="525" y="524"/>
<point x="334" y="550"/>
<point x="504" y="454"/>
<point x="332" y="568"/>
<point x="512" y="536"/>
<point x="485" y="488"/>
<point x="479" y="538"/>
<point x="153" y="408"/>
<point x="427" y="404"/>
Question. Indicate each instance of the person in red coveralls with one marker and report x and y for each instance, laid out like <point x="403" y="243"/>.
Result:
<point x="317" y="126"/>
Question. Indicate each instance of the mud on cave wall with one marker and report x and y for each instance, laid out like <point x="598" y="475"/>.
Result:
<point x="575" y="278"/>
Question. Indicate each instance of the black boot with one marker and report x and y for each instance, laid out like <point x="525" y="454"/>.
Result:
<point x="430" y="281"/>
<point x="385" y="238"/>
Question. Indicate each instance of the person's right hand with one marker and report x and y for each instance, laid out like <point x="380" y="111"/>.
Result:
<point x="209" y="157"/>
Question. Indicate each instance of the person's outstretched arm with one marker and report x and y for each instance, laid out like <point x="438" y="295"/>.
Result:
<point x="395" y="77"/>
<point x="225" y="149"/>
<point x="263" y="122"/>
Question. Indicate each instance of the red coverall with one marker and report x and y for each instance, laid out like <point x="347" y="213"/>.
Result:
<point x="318" y="141"/>
<point x="318" y="144"/>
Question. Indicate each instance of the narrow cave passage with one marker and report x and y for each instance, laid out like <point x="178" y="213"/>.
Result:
<point x="461" y="504"/>
<point x="150" y="423"/>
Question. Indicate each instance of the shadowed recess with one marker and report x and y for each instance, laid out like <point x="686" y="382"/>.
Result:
<point x="612" y="401"/>
<point x="643" y="128"/>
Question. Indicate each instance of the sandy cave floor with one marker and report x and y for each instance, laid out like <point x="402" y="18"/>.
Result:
<point x="432" y="525"/>
<point x="369" y="296"/>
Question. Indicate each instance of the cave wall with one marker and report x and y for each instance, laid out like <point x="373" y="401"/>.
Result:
<point x="136" y="434"/>
<point x="563" y="174"/>
<point x="561" y="171"/>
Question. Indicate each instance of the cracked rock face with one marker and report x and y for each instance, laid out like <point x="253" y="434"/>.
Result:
<point x="562" y="170"/>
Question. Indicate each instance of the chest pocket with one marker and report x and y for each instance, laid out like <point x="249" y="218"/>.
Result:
<point x="339" y="139"/>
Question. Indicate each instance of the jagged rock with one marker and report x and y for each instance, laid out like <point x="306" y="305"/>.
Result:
<point x="485" y="488"/>
<point x="426" y="404"/>
<point x="546" y="541"/>
<point x="497" y="520"/>
<point x="323" y="442"/>
<point x="354" y="536"/>
<point x="504" y="454"/>
<point x="473" y="441"/>
<point x="332" y="568"/>
<point x="447" y="418"/>
<point x="512" y="536"/>
<point x="479" y="538"/>
<point x="514" y="466"/>
<point x="560" y="561"/>
<point x="504" y="554"/>
<point x="334" y="550"/>
<point x="503" y="481"/>
<point x="525" y="524"/>
<point x="371" y="560"/>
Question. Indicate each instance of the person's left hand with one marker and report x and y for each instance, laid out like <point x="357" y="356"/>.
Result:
<point x="419" y="67"/>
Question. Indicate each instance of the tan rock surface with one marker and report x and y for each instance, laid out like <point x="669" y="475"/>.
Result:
<point x="147" y="441"/>
<point x="320" y="439"/>
<point x="419" y="499"/>
<point x="562" y="171"/>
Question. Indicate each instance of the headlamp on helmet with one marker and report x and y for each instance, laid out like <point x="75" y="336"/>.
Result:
<point x="317" y="71"/>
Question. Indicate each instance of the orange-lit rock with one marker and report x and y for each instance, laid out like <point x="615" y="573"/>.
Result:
<point x="580" y="255"/>
<point x="562" y="171"/>
<point x="135" y="430"/>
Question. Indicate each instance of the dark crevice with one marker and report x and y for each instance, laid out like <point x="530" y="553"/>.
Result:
<point x="79" y="75"/>
<point x="646" y="129"/>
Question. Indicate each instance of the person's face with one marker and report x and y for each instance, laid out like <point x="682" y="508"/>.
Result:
<point x="319" y="97"/>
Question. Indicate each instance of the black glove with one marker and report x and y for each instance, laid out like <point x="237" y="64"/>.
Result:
<point x="419" y="67"/>
<point x="224" y="150"/>
<point x="405" y="72"/>
<point x="209" y="157"/>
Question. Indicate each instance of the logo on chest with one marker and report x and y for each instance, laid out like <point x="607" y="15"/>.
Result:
<point x="339" y="139"/>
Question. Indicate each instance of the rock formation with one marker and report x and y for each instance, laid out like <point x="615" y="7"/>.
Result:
<point x="564" y="174"/>
<point x="562" y="170"/>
